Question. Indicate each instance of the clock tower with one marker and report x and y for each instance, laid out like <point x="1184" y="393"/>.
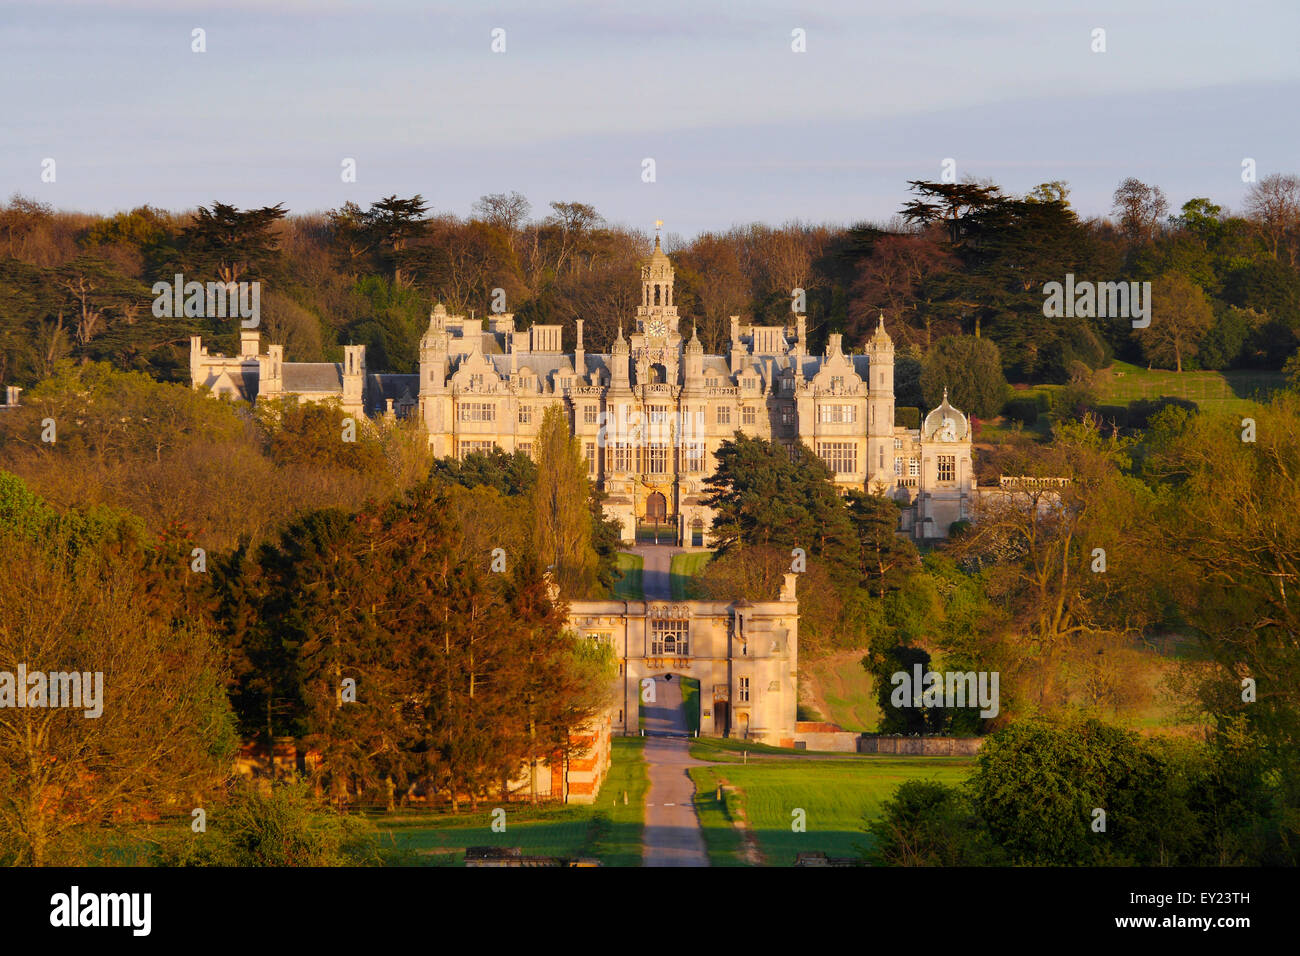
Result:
<point x="656" y="316"/>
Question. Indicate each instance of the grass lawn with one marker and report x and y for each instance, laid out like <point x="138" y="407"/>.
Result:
<point x="1229" y="391"/>
<point x="607" y="829"/>
<point x="837" y="796"/>
<point x="628" y="587"/>
<point x="685" y="569"/>
<point x="722" y="840"/>
<point x="619" y="826"/>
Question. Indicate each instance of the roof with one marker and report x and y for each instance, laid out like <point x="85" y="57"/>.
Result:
<point x="312" y="376"/>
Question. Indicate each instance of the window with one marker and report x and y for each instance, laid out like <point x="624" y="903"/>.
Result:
<point x="748" y="415"/>
<point x="693" y="452"/>
<point x="787" y="416"/>
<point x="526" y="447"/>
<point x="658" y="414"/>
<point x="589" y="414"/>
<point x="837" y="382"/>
<point x="590" y="452"/>
<point x="525" y="414"/>
<point x="841" y="456"/>
<point x="898" y="444"/>
<point x="669" y="638"/>
<point x="914" y="467"/>
<point x="468" y="447"/>
<point x="837" y="414"/>
<point x="743" y="690"/>
<point x="724" y="414"/>
<point x="898" y="467"/>
<point x="947" y="467"/>
<point x="620" y="457"/>
<point x="478" y="412"/>
<point x="657" y="458"/>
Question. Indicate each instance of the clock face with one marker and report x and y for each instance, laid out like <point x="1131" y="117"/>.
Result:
<point x="657" y="327"/>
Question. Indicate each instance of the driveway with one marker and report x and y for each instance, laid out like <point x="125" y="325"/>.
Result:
<point x="656" y="571"/>
<point x="672" y="830"/>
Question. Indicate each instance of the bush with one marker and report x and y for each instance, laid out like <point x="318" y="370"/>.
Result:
<point x="929" y="824"/>
<point x="1023" y="410"/>
<point x="1141" y="411"/>
<point x="279" y="825"/>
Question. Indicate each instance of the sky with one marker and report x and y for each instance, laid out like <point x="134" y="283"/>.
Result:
<point x="740" y="127"/>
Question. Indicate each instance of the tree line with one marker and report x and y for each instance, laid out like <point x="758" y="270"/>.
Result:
<point x="960" y="259"/>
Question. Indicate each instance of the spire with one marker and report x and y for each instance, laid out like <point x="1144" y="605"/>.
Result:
<point x="945" y="395"/>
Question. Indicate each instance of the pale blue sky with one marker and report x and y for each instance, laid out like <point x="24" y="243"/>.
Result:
<point x="740" y="127"/>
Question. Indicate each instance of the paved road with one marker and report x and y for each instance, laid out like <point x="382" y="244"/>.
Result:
<point x="672" y="830"/>
<point x="656" y="571"/>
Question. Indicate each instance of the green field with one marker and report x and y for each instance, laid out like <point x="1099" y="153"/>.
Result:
<point x="836" y="796"/>
<point x="607" y="829"/>
<point x="628" y="587"/>
<point x="844" y="690"/>
<point x="686" y="567"/>
<point x="1232" y="391"/>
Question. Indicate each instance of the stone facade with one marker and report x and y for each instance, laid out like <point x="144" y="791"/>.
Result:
<point x="745" y="656"/>
<point x="650" y="413"/>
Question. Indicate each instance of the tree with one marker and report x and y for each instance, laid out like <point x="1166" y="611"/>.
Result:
<point x="949" y="203"/>
<point x="562" y="531"/>
<point x="971" y="370"/>
<point x="1180" y="317"/>
<point x="230" y="243"/>
<point x="1039" y="784"/>
<point x="885" y="560"/>
<point x="394" y="224"/>
<point x="1140" y="208"/>
<point x="155" y="727"/>
<point x="763" y="498"/>
<point x="505" y="212"/>
<point x="1273" y="208"/>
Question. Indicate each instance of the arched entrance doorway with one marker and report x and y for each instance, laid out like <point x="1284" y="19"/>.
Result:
<point x="656" y="508"/>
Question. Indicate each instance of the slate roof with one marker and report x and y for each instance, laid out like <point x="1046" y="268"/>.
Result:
<point x="312" y="377"/>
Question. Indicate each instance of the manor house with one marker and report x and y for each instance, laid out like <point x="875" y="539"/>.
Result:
<point x="650" y="413"/>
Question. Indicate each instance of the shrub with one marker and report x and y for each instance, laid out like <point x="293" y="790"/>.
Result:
<point x="1023" y="410"/>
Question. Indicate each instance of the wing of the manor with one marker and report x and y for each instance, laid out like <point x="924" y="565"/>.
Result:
<point x="650" y="413"/>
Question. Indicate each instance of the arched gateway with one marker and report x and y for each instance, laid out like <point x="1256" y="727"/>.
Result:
<point x="744" y="654"/>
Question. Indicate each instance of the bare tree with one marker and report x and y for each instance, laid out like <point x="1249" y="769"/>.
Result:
<point x="1273" y="208"/>
<point x="1140" y="208"/>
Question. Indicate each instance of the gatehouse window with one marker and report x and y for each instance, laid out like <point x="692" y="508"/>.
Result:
<point x="748" y="415"/>
<point x="744" y="690"/>
<point x="947" y="467"/>
<point x="589" y="414"/>
<point x="724" y="414"/>
<point x="669" y="638"/>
